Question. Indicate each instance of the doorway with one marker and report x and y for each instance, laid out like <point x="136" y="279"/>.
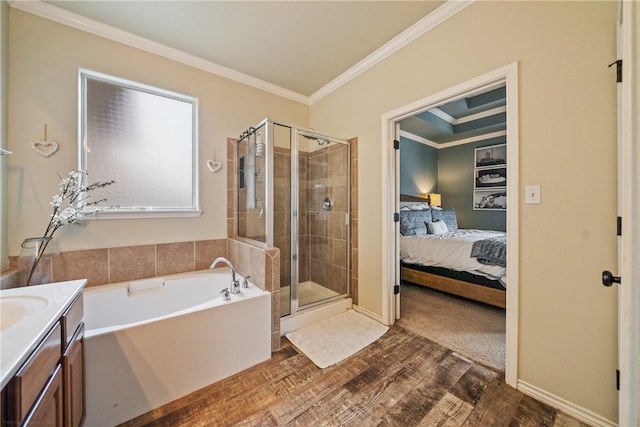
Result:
<point x="391" y="300"/>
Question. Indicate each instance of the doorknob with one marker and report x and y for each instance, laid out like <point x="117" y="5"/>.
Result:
<point x="609" y="279"/>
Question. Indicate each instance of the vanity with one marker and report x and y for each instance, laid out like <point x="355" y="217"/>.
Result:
<point x="42" y="355"/>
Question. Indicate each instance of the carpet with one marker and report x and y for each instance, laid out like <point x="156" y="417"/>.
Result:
<point x="331" y="340"/>
<point x="474" y="330"/>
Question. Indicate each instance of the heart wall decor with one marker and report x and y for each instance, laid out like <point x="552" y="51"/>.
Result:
<point x="214" y="166"/>
<point x="45" y="148"/>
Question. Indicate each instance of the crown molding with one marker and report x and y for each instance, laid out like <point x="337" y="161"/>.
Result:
<point x="438" y="146"/>
<point x="421" y="140"/>
<point x="61" y="16"/>
<point x="432" y="20"/>
<point x="82" y="23"/>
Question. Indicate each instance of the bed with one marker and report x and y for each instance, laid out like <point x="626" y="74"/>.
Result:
<point x="435" y="253"/>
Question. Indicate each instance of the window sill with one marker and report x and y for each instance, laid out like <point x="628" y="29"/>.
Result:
<point x="149" y="213"/>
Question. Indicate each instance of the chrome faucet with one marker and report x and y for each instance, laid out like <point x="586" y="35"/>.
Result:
<point x="233" y="286"/>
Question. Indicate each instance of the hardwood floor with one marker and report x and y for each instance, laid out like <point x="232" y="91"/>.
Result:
<point x="400" y="380"/>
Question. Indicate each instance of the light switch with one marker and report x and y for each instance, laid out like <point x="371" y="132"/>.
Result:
<point x="532" y="194"/>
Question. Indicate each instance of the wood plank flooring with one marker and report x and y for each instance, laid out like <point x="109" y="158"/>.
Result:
<point x="400" y="380"/>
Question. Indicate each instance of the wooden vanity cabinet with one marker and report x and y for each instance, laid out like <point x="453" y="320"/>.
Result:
<point x="74" y="382"/>
<point x="49" y="388"/>
<point x="49" y="408"/>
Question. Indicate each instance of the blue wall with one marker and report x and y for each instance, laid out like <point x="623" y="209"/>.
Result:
<point x="450" y="172"/>
<point x="418" y="168"/>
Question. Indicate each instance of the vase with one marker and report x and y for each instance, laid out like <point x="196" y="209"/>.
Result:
<point x="36" y="260"/>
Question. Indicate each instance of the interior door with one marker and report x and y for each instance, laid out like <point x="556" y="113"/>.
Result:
<point x="628" y="242"/>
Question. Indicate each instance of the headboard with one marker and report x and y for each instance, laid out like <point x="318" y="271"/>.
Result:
<point x="409" y="198"/>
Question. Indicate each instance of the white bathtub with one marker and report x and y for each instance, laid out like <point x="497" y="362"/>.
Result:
<point x="152" y="341"/>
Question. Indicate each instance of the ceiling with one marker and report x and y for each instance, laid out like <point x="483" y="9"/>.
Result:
<point x="298" y="47"/>
<point x="478" y="116"/>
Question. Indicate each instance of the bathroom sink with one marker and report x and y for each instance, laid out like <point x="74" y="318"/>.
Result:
<point x="27" y="314"/>
<point x="15" y="309"/>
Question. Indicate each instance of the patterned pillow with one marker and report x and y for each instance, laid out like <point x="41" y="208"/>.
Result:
<point x="437" y="227"/>
<point x="414" y="223"/>
<point x="448" y="216"/>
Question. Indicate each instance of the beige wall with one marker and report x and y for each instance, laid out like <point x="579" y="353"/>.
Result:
<point x="567" y="325"/>
<point x="43" y="66"/>
<point x="4" y="69"/>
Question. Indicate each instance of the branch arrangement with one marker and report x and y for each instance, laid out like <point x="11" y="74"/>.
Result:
<point x="68" y="207"/>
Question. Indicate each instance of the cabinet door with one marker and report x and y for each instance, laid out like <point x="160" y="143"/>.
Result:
<point x="74" y="383"/>
<point x="49" y="408"/>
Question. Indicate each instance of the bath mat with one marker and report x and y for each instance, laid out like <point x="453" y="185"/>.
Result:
<point x="331" y="340"/>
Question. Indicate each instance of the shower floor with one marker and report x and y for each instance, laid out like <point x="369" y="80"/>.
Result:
<point x="308" y="293"/>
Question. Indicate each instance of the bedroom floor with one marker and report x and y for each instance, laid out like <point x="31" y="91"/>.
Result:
<point x="402" y="379"/>
<point x="473" y="329"/>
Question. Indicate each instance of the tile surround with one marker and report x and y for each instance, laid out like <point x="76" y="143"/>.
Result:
<point x="113" y="265"/>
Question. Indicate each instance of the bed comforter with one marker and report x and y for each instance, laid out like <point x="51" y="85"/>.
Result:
<point x="451" y="250"/>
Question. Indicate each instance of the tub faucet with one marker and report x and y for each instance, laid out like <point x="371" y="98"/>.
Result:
<point x="233" y="286"/>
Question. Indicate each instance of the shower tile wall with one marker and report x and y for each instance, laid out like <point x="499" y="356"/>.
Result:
<point x="323" y="251"/>
<point x="327" y="231"/>
<point x="282" y="190"/>
<point x="281" y="211"/>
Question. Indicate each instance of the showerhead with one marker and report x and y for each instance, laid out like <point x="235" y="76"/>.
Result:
<point x="318" y="140"/>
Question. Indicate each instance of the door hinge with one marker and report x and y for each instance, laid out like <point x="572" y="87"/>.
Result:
<point x="618" y="65"/>
<point x="396" y="289"/>
<point x="618" y="379"/>
<point x="619" y="226"/>
<point x="396" y="217"/>
<point x="396" y="144"/>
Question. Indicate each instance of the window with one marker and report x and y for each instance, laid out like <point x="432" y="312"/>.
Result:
<point x="145" y="139"/>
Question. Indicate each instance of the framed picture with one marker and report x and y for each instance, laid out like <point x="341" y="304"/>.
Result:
<point x="494" y="177"/>
<point x="490" y="199"/>
<point x="492" y="155"/>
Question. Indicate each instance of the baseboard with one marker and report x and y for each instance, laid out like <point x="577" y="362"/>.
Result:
<point x="368" y="313"/>
<point x="569" y="408"/>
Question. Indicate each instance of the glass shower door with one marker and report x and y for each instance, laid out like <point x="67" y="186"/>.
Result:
<point x="322" y="219"/>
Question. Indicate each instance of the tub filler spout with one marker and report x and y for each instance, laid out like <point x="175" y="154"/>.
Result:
<point x="233" y="286"/>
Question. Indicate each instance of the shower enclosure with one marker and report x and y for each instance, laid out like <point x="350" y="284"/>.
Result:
<point x="293" y="194"/>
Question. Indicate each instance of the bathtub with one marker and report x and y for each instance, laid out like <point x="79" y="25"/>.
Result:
<point x="152" y="341"/>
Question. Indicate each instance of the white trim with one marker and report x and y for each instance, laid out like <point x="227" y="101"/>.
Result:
<point x="628" y="210"/>
<point x="430" y="143"/>
<point x="367" y="313"/>
<point x="56" y="14"/>
<point x="441" y="114"/>
<point x="421" y="140"/>
<point x="480" y="115"/>
<point x="82" y="23"/>
<point x="471" y="117"/>
<point x="509" y="75"/>
<point x="577" y="412"/>
<point x="435" y="18"/>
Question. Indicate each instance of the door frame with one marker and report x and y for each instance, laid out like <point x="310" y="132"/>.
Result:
<point x="509" y="75"/>
<point x="628" y="210"/>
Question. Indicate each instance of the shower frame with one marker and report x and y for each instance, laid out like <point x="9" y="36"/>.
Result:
<point x="294" y="204"/>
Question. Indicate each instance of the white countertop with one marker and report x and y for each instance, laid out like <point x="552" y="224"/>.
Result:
<point x="45" y="305"/>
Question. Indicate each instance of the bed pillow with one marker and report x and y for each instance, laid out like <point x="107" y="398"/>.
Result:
<point x="414" y="206"/>
<point x="414" y="223"/>
<point x="437" y="227"/>
<point x="448" y="216"/>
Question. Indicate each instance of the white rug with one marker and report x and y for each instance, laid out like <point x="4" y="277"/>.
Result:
<point x="331" y="340"/>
